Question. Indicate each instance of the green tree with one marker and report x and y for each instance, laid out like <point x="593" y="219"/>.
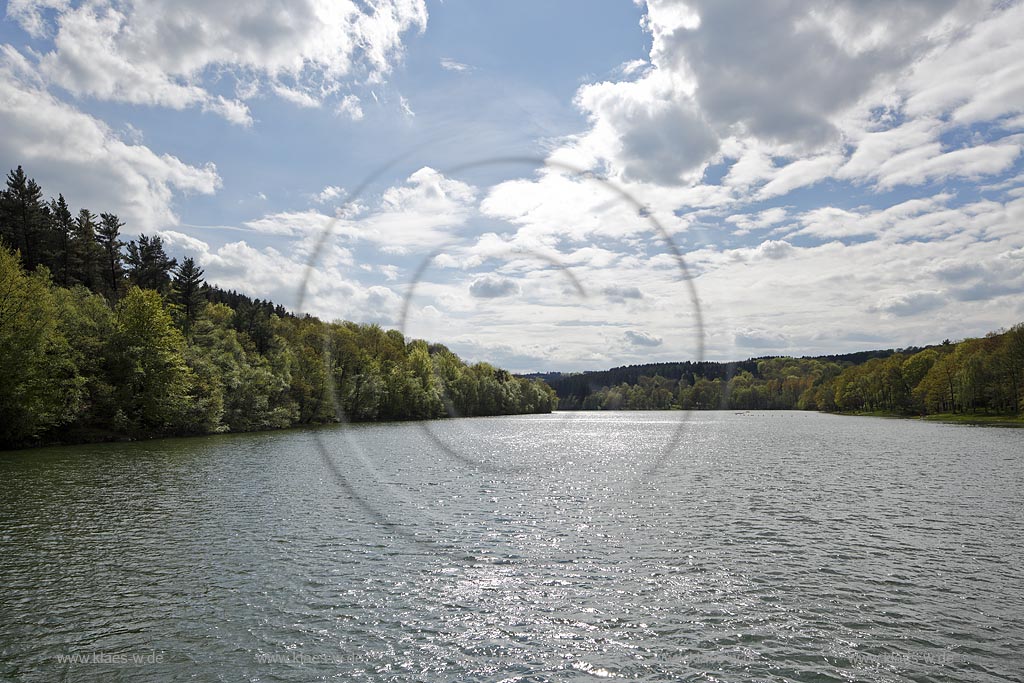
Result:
<point x="24" y="219"/>
<point x="39" y="388"/>
<point x="108" y="236"/>
<point x="148" y="265"/>
<point x="63" y="226"/>
<point x="187" y="293"/>
<point x="86" y="256"/>
<point x="152" y="376"/>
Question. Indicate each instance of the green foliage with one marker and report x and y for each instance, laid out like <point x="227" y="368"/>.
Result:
<point x="149" y="369"/>
<point x="149" y="266"/>
<point x="108" y="237"/>
<point x="70" y="361"/>
<point x="187" y="293"/>
<point x="102" y="339"/>
<point x="39" y="388"/>
<point x="977" y="376"/>
<point x="25" y="220"/>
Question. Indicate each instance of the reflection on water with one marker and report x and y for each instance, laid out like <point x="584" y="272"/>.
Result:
<point x="773" y="546"/>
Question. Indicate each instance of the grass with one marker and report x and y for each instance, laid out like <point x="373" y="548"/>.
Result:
<point x="954" y="418"/>
<point x="978" y="419"/>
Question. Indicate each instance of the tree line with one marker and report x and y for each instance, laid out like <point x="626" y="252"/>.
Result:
<point x="102" y="338"/>
<point x="975" y="376"/>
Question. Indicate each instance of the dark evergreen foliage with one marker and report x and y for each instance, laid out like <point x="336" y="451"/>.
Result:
<point x="149" y="266"/>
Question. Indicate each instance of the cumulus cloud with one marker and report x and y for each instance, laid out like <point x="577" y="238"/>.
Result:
<point x="774" y="249"/>
<point x="912" y="218"/>
<point x="746" y="222"/>
<point x="647" y="129"/>
<point x="330" y="193"/>
<point x="620" y="293"/>
<point x="350" y="106"/>
<point x="277" y="274"/>
<point x="759" y="339"/>
<point x="640" y="338"/>
<point x="911" y="303"/>
<point x="789" y="94"/>
<point x="779" y="72"/>
<point x="163" y="52"/>
<point x="425" y="211"/>
<point x="493" y="287"/>
<point x="77" y="154"/>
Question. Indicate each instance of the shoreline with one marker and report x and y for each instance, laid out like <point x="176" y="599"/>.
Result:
<point x="104" y="437"/>
<point x="1000" y="421"/>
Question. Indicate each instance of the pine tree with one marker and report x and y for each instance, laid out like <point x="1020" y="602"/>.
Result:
<point x="86" y="256"/>
<point x="188" y="293"/>
<point x="149" y="267"/>
<point x="63" y="226"/>
<point x="24" y="219"/>
<point x="108" y="236"/>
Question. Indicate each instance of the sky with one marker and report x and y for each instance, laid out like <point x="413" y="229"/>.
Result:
<point x="553" y="186"/>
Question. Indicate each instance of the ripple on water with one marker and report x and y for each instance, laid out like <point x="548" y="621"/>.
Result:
<point x="773" y="546"/>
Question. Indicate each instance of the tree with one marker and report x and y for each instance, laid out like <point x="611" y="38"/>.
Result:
<point x="87" y="322"/>
<point x="24" y="219"/>
<point x="149" y="266"/>
<point x="86" y="256"/>
<point x="39" y="389"/>
<point x="63" y="226"/>
<point x="108" y="235"/>
<point x="187" y="293"/>
<point x="150" y="369"/>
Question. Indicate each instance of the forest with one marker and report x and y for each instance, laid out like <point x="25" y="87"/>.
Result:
<point x="106" y="339"/>
<point x="983" y="376"/>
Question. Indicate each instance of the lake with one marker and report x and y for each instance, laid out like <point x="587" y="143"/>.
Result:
<point x="660" y="546"/>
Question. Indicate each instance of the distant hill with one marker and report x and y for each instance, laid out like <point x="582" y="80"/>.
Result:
<point x="579" y="385"/>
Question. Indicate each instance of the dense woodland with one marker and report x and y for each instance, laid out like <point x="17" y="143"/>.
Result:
<point x="106" y="339"/>
<point x="974" y="376"/>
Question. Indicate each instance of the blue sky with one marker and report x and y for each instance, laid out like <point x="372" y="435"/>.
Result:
<point x="834" y="180"/>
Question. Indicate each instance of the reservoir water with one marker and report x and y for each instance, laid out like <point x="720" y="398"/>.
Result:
<point x="766" y="546"/>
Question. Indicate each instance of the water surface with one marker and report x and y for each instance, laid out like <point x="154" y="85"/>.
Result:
<point x="775" y="546"/>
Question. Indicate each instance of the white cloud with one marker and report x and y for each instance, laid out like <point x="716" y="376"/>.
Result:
<point x="800" y="173"/>
<point x="269" y="273"/>
<point x="912" y="218"/>
<point x="449" y="64"/>
<point x="493" y="287"/>
<point x="651" y="130"/>
<point x="620" y="293"/>
<point x="404" y="105"/>
<point x="632" y="67"/>
<point x="977" y="78"/>
<point x="329" y="194"/>
<point x="350" y="106"/>
<point x="641" y="338"/>
<point x="426" y="211"/>
<point x="296" y="97"/>
<point x="863" y="92"/>
<point x="163" y="52"/>
<point x="180" y="241"/>
<point x="759" y="220"/>
<point x="74" y="153"/>
<point x="911" y="303"/>
<point x="760" y="339"/>
<point x="774" y="249"/>
<point x="779" y="73"/>
<point x="929" y="162"/>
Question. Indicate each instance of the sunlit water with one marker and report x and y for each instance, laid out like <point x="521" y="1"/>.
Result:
<point x="568" y="547"/>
